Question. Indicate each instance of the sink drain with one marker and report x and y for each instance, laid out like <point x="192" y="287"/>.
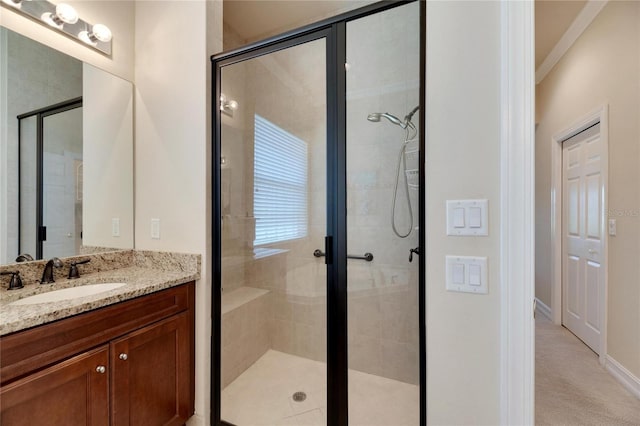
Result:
<point x="299" y="396"/>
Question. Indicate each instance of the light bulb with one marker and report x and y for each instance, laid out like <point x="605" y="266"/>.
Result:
<point x="102" y="33"/>
<point x="86" y="37"/>
<point x="98" y="32"/>
<point x="233" y="104"/>
<point x="66" y="13"/>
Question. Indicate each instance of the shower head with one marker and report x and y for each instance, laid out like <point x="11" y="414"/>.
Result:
<point x="375" y="117"/>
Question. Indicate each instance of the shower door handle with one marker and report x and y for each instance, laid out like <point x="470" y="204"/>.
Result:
<point x="367" y="256"/>
<point x="328" y="248"/>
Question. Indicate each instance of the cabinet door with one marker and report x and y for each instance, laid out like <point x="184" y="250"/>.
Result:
<point x="151" y="374"/>
<point x="73" y="392"/>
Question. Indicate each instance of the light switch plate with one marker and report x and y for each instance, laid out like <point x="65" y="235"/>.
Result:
<point x="468" y="217"/>
<point x="115" y="227"/>
<point x="475" y="276"/>
<point x="155" y="229"/>
<point x="612" y="227"/>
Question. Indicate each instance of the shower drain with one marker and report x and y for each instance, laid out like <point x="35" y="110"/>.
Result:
<point x="299" y="396"/>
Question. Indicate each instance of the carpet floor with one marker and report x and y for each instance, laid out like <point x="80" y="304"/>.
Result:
<point x="571" y="386"/>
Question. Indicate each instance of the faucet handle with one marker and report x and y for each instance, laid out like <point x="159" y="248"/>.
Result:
<point x="16" y="281"/>
<point x="73" y="270"/>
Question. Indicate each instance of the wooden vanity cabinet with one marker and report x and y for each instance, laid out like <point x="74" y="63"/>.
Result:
<point x="73" y="392"/>
<point x="150" y="372"/>
<point x="130" y="371"/>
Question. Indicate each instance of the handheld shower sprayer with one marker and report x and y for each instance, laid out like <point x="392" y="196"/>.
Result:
<point x="375" y="117"/>
<point x="411" y="132"/>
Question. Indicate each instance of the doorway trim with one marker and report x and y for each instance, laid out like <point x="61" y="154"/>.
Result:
<point x="517" y="214"/>
<point x="599" y="115"/>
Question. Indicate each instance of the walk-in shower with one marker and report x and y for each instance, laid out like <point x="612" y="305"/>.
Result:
<point x="318" y="308"/>
<point x="407" y="173"/>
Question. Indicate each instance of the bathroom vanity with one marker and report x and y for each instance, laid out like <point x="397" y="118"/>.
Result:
<point x="126" y="359"/>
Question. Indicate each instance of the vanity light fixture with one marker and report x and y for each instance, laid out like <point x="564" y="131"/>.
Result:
<point x="64" y="18"/>
<point x="227" y="106"/>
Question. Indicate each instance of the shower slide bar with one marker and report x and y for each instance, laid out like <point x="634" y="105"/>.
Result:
<point x="367" y="256"/>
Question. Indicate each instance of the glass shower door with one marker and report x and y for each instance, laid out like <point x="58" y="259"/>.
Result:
<point x="383" y="183"/>
<point x="273" y="176"/>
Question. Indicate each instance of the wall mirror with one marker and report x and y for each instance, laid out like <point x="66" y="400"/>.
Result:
<point x="66" y="154"/>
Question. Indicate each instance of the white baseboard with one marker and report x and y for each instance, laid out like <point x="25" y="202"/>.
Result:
<point x="196" y="420"/>
<point x="542" y="309"/>
<point x="624" y="376"/>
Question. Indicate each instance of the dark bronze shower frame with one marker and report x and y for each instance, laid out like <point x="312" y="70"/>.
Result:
<point x="333" y="30"/>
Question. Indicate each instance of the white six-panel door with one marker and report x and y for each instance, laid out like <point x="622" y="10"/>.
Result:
<point x="583" y="242"/>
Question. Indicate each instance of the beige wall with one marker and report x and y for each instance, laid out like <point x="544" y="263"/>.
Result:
<point x="463" y="161"/>
<point x="171" y="147"/>
<point x="602" y="67"/>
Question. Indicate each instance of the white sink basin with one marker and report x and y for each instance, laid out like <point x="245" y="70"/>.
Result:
<point x="67" y="293"/>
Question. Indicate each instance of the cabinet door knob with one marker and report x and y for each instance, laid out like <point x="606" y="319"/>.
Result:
<point x="101" y="369"/>
<point x="123" y="357"/>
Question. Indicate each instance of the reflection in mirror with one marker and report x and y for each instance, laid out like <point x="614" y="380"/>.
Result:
<point x="50" y="164"/>
<point x="66" y="154"/>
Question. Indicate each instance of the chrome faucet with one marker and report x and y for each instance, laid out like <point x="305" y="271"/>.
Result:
<point x="47" y="274"/>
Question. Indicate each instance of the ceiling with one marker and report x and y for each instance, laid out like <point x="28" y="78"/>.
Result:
<point x="253" y="20"/>
<point x="553" y="18"/>
<point x="257" y="19"/>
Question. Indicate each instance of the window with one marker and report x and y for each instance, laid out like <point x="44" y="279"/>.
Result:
<point x="280" y="184"/>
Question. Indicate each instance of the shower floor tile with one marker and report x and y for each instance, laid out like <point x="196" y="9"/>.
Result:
<point x="262" y="396"/>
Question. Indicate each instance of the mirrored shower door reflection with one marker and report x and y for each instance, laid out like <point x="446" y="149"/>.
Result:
<point x="273" y="183"/>
<point x="50" y="187"/>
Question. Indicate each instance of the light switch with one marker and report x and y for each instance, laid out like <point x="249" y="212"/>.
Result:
<point x="475" y="217"/>
<point x="612" y="227"/>
<point x="474" y="274"/>
<point x="458" y="273"/>
<point x="467" y="217"/>
<point x="458" y="217"/>
<point x="467" y="274"/>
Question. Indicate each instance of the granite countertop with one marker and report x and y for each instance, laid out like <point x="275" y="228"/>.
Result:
<point x="143" y="273"/>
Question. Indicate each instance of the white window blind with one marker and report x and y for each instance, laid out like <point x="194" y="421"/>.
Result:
<point x="280" y="184"/>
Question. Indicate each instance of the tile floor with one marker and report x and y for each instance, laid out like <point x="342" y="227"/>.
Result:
<point x="262" y="395"/>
